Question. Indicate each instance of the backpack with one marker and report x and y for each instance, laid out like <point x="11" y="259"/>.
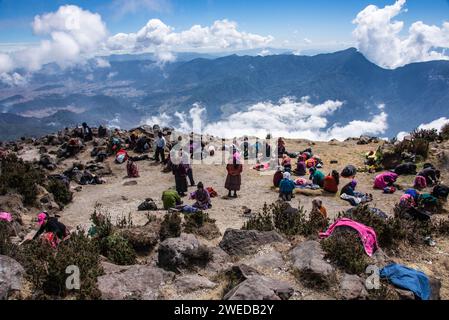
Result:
<point x="420" y="183"/>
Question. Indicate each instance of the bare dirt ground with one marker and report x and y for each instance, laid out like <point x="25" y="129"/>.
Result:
<point x="120" y="200"/>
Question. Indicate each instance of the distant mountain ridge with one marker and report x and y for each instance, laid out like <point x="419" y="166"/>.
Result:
<point x="131" y="90"/>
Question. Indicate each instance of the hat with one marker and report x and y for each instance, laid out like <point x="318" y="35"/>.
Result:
<point x="41" y="217"/>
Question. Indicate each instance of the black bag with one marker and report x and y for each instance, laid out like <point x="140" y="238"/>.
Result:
<point x="349" y="171"/>
<point x="440" y="191"/>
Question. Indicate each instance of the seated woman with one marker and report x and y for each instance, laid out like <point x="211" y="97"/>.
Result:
<point x="331" y="182"/>
<point x="202" y="198"/>
<point x="386" y="179"/>
<point x="348" y="193"/>
<point x="317" y="177"/>
<point x="286" y="163"/>
<point x="286" y="187"/>
<point x="431" y="174"/>
<point x="277" y="177"/>
<point x="171" y="199"/>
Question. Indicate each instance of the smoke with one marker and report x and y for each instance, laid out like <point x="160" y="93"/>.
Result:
<point x="290" y="118"/>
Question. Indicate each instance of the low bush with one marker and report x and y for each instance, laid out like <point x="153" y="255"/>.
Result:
<point x="171" y="226"/>
<point x="345" y="249"/>
<point x="429" y="135"/>
<point x="63" y="196"/>
<point x="199" y="223"/>
<point x="19" y="176"/>
<point x="48" y="270"/>
<point x="117" y="249"/>
<point x="445" y="132"/>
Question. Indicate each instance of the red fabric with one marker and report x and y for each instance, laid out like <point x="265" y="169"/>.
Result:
<point x="330" y="185"/>
<point x="212" y="192"/>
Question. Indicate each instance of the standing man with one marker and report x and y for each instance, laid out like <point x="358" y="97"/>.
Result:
<point x="160" y="147"/>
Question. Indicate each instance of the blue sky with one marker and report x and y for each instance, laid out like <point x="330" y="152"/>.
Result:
<point x="322" y="21"/>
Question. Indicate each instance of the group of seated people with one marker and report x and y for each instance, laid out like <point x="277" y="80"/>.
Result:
<point x="202" y="196"/>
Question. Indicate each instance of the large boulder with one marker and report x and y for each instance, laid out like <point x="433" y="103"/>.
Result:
<point x="352" y="287"/>
<point x="269" y="260"/>
<point x="137" y="282"/>
<point x="310" y="265"/>
<point x="184" y="252"/>
<point x="257" y="287"/>
<point x="244" y="242"/>
<point x="11" y="277"/>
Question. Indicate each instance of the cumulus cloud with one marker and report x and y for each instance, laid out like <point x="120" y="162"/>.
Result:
<point x="379" y="37"/>
<point x="289" y="118"/>
<point x="161" y="38"/>
<point x="71" y="34"/>
<point x="102" y="63"/>
<point x="436" y="124"/>
<point x="13" y="79"/>
<point x="264" y="53"/>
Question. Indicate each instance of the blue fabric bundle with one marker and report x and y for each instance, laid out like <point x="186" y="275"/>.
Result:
<point x="408" y="279"/>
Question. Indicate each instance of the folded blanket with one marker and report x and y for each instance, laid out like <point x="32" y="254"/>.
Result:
<point x="367" y="234"/>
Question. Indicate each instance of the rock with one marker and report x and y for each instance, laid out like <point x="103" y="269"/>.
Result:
<point x="244" y="242"/>
<point x="11" y="277"/>
<point x="405" y="294"/>
<point x="184" y="252"/>
<point x="190" y="283"/>
<point x="147" y="205"/>
<point x="137" y="282"/>
<point x="380" y="258"/>
<point x="352" y="287"/>
<point x="220" y="261"/>
<point x="271" y="260"/>
<point x="308" y="262"/>
<point x="130" y="183"/>
<point x="259" y="288"/>
<point x="13" y="203"/>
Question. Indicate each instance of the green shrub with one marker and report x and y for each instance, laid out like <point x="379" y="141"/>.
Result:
<point x="46" y="266"/>
<point x="261" y="221"/>
<point x="171" y="226"/>
<point x="61" y="193"/>
<point x="6" y="247"/>
<point x="117" y="249"/>
<point x="201" y="224"/>
<point x="429" y="135"/>
<point x="19" y="176"/>
<point x="345" y="249"/>
<point x="102" y="225"/>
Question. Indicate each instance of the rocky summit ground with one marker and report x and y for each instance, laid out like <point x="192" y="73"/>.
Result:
<point x="273" y="264"/>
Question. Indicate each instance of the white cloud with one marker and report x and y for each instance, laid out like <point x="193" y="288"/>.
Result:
<point x="71" y="35"/>
<point x="264" y="53"/>
<point x="379" y="37"/>
<point x="13" y="79"/>
<point x="436" y="124"/>
<point x="307" y="41"/>
<point x="288" y="118"/>
<point x="161" y="38"/>
<point x="401" y="135"/>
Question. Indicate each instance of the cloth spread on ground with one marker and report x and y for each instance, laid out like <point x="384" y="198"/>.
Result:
<point x="367" y="234"/>
<point x="409" y="279"/>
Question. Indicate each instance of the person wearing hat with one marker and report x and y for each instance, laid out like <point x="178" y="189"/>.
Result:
<point x="49" y="224"/>
<point x="286" y="187"/>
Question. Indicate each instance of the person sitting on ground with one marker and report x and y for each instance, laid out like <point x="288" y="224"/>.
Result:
<point x="131" y="169"/>
<point x="317" y="205"/>
<point x="331" y="182"/>
<point x="405" y="169"/>
<point x="301" y="169"/>
<point x="286" y="163"/>
<point x="286" y="187"/>
<point x="160" y="148"/>
<point x="348" y="193"/>
<point x="278" y="175"/>
<point x="87" y="132"/>
<point x="386" y="179"/>
<point x="171" y="199"/>
<point x="52" y="226"/>
<point x="431" y="174"/>
<point x="234" y="178"/>
<point x="317" y="177"/>
<point x="142" y="145"/>
<point x="202" y="197"/>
